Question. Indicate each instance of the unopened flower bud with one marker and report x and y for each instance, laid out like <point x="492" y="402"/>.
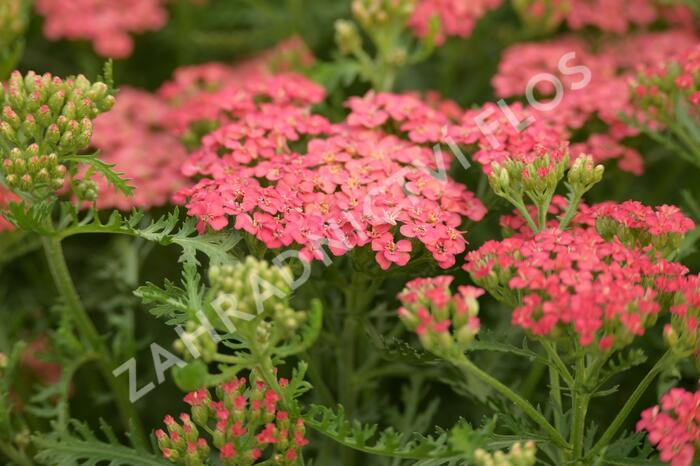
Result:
<point x="347" y="37"/>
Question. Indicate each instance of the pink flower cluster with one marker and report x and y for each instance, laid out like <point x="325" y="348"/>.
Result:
<point x="498" y="135"/>
<point x="108" y="24"/>
<point x="652" y="230"/>
<point x="132" y="138"/>
<point x="662" y="84"/>
<point x="441" y="320"/>
<point x="611" y="15"/>
<point x="657" y="221"/>
<point x="673" y="426"/>
<point x="605" y="97"/>
<point x="600" y="290"/>
<point x="289" y="177"/>
<point x="197" y="92"/>
<point x="457" y="17"/>
<point x="246" y="424"/>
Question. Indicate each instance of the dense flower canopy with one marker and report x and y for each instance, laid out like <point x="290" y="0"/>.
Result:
<point x="201" y="93"/>
<point x="288" y="176"/>
<point x="600" y="93"/>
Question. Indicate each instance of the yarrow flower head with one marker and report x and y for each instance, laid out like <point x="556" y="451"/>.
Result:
<point x="445" y="323"/>
<point x="592" y="86"/>
<point x="106" y="24"/>
<point x="574" y="282"/>
<point x="638" y="226"/>
<point x="663" y="86"/>
<point x="133" y="137"/>
<point x="45" y="121"/>
<point x="203" y="95"/>
<point x="249" y="425"/>
<point x="288" y="177"/>
<point x="673" y="427"/>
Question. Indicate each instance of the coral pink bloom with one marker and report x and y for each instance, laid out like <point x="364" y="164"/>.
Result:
<point x="291" y="177"/>
<point x="602" y="290"/>
<point x="389" y="252"/>
<point x="674" y="426"/>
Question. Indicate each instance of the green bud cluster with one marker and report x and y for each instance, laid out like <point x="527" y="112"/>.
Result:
<point x="519" y="455"/>
<point x="682" y="334"/>
<point x="43" y="120"/>
<point x="204" y="344"/>
<point x="446" y="326"/>
<point x="347" y="37"/>
<point x="584" y="174"/>
<point x="538" y="179"/>
<point x="372" y="14"/>
<point x="255" y="296"/>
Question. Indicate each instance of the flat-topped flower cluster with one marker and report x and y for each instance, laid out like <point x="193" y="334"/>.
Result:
<point x="289" y="176"/>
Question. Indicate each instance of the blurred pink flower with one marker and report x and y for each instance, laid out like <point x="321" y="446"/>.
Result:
<point x="107" y="23"/>
<point x="132" y="137"/>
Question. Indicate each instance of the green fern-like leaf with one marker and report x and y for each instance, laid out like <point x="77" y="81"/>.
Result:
<point x="79" y="446"/>
<point x="177" y="304"/>
<point x="168" y="230"/>
<point x="388" y="443"/>
<point x="113" y="177"/>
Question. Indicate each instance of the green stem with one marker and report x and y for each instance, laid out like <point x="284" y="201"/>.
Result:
<point x="580" y="406"/>
<point x="227" y="359"/>
<point x="570" y="210"/>
<point x="526" y="215"/>
<point x="616" y="424"/>
<point x="13" y="455"/>
<point x="469" y="367"/>
<point x="551" y="350"/>
<point x="66" y="288"/>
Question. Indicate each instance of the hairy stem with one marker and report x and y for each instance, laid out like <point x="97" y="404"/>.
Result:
<point x="66" y="288"/>
<point x="469" y="367"/>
